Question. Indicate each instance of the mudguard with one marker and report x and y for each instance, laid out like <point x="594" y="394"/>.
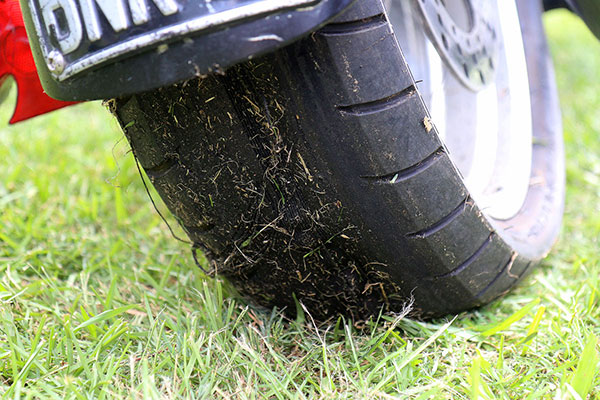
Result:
<point x="98" y="49"/>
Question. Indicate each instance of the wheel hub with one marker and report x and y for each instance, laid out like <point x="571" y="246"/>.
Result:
<point x="465" y="36"/>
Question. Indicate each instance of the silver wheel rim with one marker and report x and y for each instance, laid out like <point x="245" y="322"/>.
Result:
<point x="487" y="130"/>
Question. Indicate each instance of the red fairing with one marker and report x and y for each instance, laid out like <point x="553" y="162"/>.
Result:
<point x="16" y="60"/>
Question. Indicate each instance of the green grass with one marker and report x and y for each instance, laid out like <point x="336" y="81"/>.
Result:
<point x="98" y="301"/>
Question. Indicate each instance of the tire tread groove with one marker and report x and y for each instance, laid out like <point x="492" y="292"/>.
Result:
<point x="441" y="224"/>
<point x="506" y="267"/>
<point x="408" y="172"/>
<point x="376" y="106"/>
<point x="353" y="27"/>
<point x="468" y="261"/>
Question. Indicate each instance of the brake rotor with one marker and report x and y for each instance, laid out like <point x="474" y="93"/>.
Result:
<point x="464" y="33"/>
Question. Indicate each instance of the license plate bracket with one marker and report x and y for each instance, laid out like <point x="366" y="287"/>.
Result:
<point x="72" y="39"/>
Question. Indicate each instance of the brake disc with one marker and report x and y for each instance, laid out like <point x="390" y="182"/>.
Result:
<point x="464" y="33"/>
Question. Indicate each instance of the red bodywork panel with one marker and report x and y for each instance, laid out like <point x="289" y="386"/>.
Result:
<point x="16" y="60"/>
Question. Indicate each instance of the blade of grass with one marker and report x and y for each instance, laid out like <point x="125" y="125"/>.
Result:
<point x="533" y="329"/>
<point x="475" y="375"/>
<point x="103" y="316"/>
<point x="511" y="320"/>
<point x="585" y="373"/>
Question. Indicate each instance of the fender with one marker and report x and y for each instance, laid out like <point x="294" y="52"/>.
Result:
<point x="99" y="49"/>
<point x="16" y="63"/>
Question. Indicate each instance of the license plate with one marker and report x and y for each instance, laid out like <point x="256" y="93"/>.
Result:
<point x="77" y="35"/>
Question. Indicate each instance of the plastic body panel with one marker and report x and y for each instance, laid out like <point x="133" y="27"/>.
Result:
<point x="16" y="63"/>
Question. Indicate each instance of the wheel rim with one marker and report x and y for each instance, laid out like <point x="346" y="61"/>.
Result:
<point x="483" y="118"/>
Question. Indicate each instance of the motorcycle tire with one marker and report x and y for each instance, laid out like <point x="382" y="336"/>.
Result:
<point x="316" y="174"/>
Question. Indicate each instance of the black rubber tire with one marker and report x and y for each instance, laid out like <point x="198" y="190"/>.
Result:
<point x="281" y="170"/>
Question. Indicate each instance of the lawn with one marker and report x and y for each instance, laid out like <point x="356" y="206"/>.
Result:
<point x="98" y="301"/>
